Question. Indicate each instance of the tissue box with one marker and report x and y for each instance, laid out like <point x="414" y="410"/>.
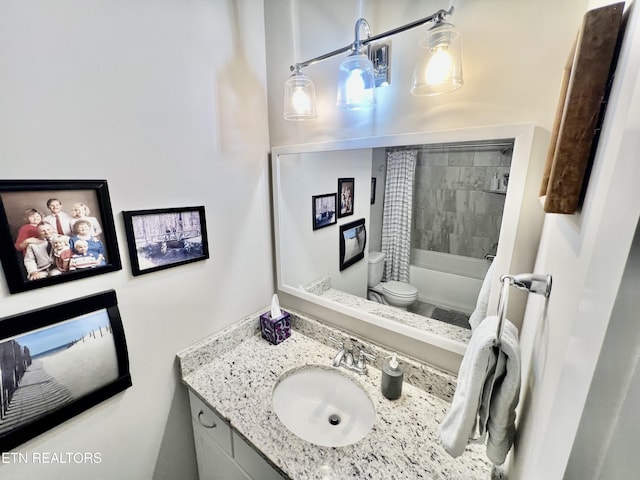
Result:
<point x="275" y="330"/>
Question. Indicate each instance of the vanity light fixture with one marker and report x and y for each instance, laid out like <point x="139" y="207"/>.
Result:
<point x="356" y="79"/>
<point x="299" y="97"/>
<point x="439" y="70"/>
<point x="367" y="67"/>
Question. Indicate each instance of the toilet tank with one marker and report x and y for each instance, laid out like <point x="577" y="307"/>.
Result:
<point x="376" y="268"/>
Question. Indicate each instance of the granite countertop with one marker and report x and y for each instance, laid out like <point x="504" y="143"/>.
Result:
<point x="235" y="371"/>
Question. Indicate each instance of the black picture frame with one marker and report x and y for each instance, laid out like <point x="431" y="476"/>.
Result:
<point x="166" y="237"/>
<point x="323" y="210"/>
<point x="373" y="190"/>
<point x="353" y="239"/>
<point x="43" y="354"/>
<point x="345" y="196"/>
<point x="26" y="268"/>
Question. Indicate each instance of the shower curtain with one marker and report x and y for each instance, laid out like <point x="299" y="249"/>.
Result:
<point x="396" y="216"/>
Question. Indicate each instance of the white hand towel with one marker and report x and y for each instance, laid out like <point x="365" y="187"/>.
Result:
<point x="501" y="425"/>
<point x="482" y="302"/>
<point x="487" y="393"/>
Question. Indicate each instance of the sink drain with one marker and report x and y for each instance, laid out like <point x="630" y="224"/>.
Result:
<point x="334" y="419"/>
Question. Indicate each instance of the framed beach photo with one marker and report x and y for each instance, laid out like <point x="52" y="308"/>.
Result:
<point x="324" y="210"/>
<point x="53" y="231"/>
<point x="353" y="238"/>
<point x="345" y="196"/>
<point x="57" y="362"/>
<point x="164" y="238"/>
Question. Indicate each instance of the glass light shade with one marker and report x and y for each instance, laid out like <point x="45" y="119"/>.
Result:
<point x="439" y="70"/>
<point x="299" y="98"/>
<point x="356" y="83"/>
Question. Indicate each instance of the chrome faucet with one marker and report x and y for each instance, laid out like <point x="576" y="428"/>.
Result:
<point x="345" y="358"/>
<point x="337" y="360"/>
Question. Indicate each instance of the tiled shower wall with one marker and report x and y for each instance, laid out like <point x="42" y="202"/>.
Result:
<point x="454" y="211"/>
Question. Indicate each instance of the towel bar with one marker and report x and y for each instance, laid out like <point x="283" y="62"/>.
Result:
<point x="528" y="282"/>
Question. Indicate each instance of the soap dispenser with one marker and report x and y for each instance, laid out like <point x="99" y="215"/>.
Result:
<point x="392" y="375"/>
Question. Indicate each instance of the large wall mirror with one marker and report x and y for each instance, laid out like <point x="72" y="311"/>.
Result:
<point x="442" y="206"/>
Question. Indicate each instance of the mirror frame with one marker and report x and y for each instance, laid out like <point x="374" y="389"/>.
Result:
<point x="517" y="246"/>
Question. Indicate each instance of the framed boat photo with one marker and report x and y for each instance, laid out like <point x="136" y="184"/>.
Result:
<point x="164" y="238"/>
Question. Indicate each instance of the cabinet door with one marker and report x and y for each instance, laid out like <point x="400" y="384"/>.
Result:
<point x="222" y="454"/>
<point x="252" y="462"/>
<point x="211" y="423"/>
<point x="213" y="462"/>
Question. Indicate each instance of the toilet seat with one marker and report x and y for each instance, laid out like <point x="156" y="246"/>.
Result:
<point x="399" y="289"/>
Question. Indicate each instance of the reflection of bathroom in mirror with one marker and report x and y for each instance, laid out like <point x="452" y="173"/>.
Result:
<point x="447" y="206"/>
<point x="456" y="192"/>
<point x="433" y="228"/>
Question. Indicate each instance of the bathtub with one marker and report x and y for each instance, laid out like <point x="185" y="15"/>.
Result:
<point x="448" y="281"/>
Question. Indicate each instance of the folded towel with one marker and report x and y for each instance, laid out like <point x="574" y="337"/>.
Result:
<point x="487" y="393"/>
<point x="482" y="303"/>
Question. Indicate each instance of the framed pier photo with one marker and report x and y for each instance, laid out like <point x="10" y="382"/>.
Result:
<point x="58" y="361"/>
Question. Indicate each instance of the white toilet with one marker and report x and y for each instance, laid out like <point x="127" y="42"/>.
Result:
<point x="397" y="294"/>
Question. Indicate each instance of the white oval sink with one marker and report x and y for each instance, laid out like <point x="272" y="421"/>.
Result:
<point x="323" y="406"/>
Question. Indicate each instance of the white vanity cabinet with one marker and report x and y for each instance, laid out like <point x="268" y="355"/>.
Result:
<point x="222" y="454"/>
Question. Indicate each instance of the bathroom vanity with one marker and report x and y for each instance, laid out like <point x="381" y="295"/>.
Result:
<point x="231" y="378"/>
<point x="221" y="452"/>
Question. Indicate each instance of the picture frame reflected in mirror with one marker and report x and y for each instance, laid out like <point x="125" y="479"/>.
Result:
<point x="323" y="210"/>
<point x="345" y="196"/>
<point x="353" y="239"/>
<point x="373" y="190"/>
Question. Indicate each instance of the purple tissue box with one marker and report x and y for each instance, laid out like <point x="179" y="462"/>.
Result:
<point x="275" y="330"/>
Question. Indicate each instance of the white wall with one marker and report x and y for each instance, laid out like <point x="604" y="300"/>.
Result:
<point x="586" y="253"/>
<point x="605" y="445"/>
<point x="166" y="100"/>
<point x="311" y="254"/>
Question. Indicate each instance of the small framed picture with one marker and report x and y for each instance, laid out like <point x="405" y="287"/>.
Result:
<point x="164" y="238"/>
<point x="345" y="196"/>
<point x="373" y="190"/>
<point x="57" y="362"/>
<point x="324" y="210"/>
<point x="53" y="231"/>
<point x="353" y="238"/>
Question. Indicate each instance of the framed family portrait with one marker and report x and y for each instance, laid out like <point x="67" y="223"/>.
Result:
<point x="345" y="196"/>
<point x="57" y="362"/>
<point x="53" y="231"/>
<point x="353" y="238"/>
<point x="324" y="210"/>
<point x="164" y="238"/>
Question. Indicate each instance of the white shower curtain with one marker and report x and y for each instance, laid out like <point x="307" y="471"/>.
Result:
<point x="396" y="217"/>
